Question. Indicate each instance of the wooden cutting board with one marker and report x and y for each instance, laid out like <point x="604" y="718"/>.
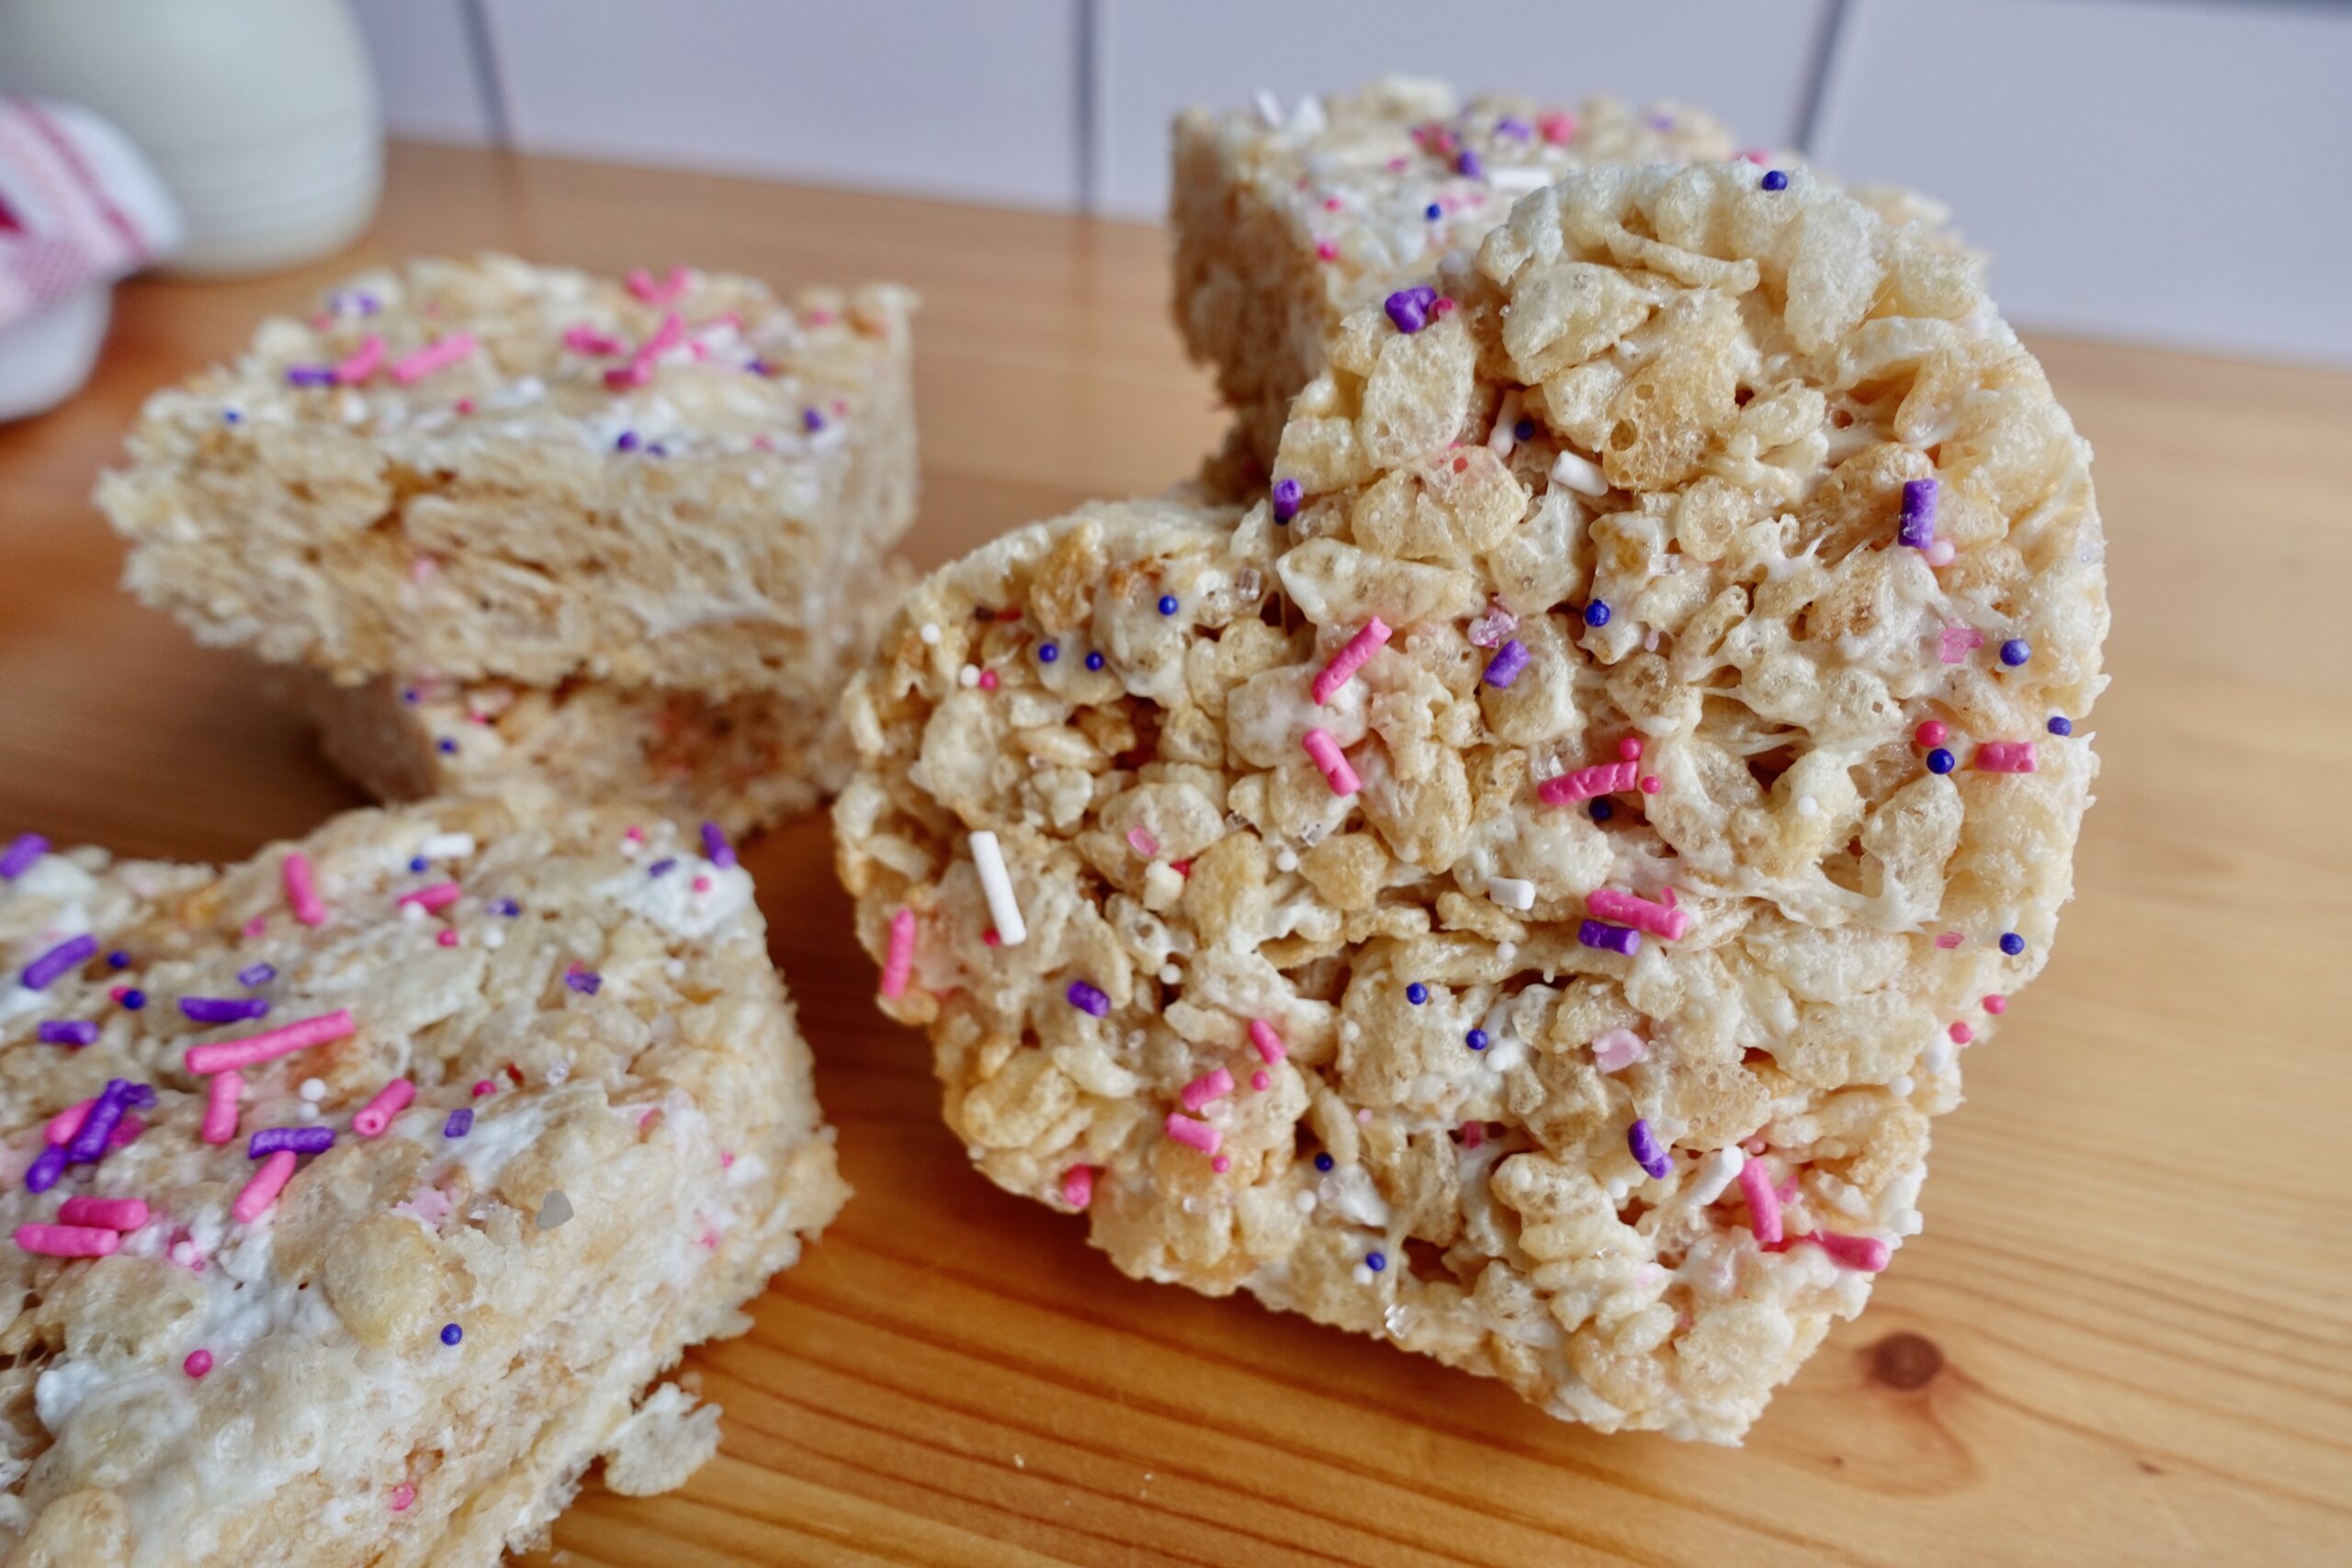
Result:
<point x="2125" y="1337"/>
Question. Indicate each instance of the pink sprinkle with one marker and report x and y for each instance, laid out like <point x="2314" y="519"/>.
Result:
<point x="1492" y="626"/>
<point x="987" y="680"/>
<point x="433" y="900"/>
<point x="270" y="1043"/>
<point x="1652" y="783"/>
<point x="640" y="368"/>
<point x="1326" y="250"/>
<point x="640" y="284"/>
<point x="377" y="1114"/>
<point x="1960" y="1034"/>
<point x="363" y="362"/>
<point x="220" y="1097"/>
<point x="1557" y="128"/>
<point x="263" y="1190"/>
<point x="635" y="835"/>
<point x="1078" y="1185"/>
<point x="448" y="937"/>
<point x="68" y="1121"/>
<point x="1949" y="940"/>
<point x="1941" y="552"/>
<point x="1616" y="1049"/>
<point x="1866" y="1253"/>
<point x="2006" y="757"/>
<point x="1326" y="756"/>
<point x="402" y="1495"/>
<point x="586" y="339"/>
<point x="482" y="1087"/>
<point x="1630" y="749"/>
<point x="899" y="966"/>
<point x="433" y="357"/>
<point x="1659" y="919"/>
<point x="1261" y="1080"/>
<point x="1348" y="660"/>
<point x="422" y="568"/>
<point x="68" y="1241"/>
<point x="1444" y="305"/>
<point x="1997" y="1004"/>
<point x="116" y="993"/>
<point x="988" y="938"/>
<point x="125" y="1131"/>
<point x="1931" y="732"/>
<point x="1140" y="840"/>
<point x="1763" y="1203"/>
<point x="1958" y="640"/>
<point x="1755" y="155"/>
<point x="465" y="405"/>
<point x="1209" y="1088"/>
<point x="106" y="1213"/>
<point x="1194" y="1133"/>
<point x="1331" y="204"/>
<point x="702" y="883"/>
<point x="1269" y="1043"/>
<point x="198" y="1362"/>
<point x="1584" y="784"/>
<point x="1222" y="1163"/>
<point x="1474" y="1134"/>
<point x="256" y="926"/>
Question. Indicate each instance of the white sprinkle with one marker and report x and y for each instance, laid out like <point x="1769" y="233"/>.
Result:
<point x="930" y="634"/>
<point x="1364" y="1116"/>
<point x="1285" y="861"/>
<point x="1900" y="1086"/>
<point x="1518" y="176"/>
<point x="412" y="913"/>
<point x="1506" y="951"/>
<point x="447" y="846"/>
<point x="630" y="849"/>
<point x="1938" y="1057"/>
<point x="313" y="1090"/>
<point x="1511" y="892"/>
<point x="1808" y="807"/>
<point x="988" y="859"/>
<point x="1579" y="473"/>
<point x="1270" y="108"/>
<point x="1305" y="1201"/>
<point x="1363" y="1274"/>
<point x="1504" y="438"/>
<point x="1715" y="1173"/>
<point x="306" y="1111"/>
<point x="1309" y="120"/>
<point x="1169" y="975"/>
<point x="1617" y="1189"/>
<point x="494" y="938"/>
<point x="968" y="676"/>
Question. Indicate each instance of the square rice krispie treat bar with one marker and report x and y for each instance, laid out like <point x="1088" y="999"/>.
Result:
<point x="1523" y="890"/>
<point x="490" y="472"/>
<point x="358" y="1194"/>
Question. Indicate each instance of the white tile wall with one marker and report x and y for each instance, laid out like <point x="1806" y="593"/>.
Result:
<point x="2168" y="171"/>
<point x="2156" y="172"/>
<point x="1747" y="60"/>
<point x="432" y="85"/>
<point x="972" y="100"/>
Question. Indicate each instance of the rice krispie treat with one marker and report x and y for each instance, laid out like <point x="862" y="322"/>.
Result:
<point x="1286" y="221"/>
<point x="1522" y="891"/>
<point x="358" y="1194"/>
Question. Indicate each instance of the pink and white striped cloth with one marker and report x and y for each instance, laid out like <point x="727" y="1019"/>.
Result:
<point x="78" y="206"/>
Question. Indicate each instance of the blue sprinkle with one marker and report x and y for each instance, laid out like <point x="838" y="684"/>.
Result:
<point x="1939" y="761"/>
<point x="1417" y="993"/>
<point x="410" y="694"/>
<point x="657" y="451"/>
<point x="1433" y="213"/>
<point x="257" y="975"/>
<point x="1094" y="661"/>
<point x="452" y="1334"/>
<point x="117" y="959"/>
<point x="1167" y="604"/>
<point x="1322" y="1162"/>
<point x="1602" y="809"/>
<point x="2012" y="943"/>
<point x="417" y="863"/>
<point x="1376" y="1261"/>
<point x="2061" y="725"/>
<point x="231" y="415"/>
<point x="2015" y="651"/>
<point x="1596" y="613"/>
<point x="1775" y="180"/>
<point x="1047" y="652"/>
<point x="1476" y="1039"/>
<point x="460" y="1123"/>
<point x="446" y="746"/>
<point x="1524" y="430"/>
<point x="133" y="999"/>
<point x="662" y="867"/>
<point x="506" y="906"/>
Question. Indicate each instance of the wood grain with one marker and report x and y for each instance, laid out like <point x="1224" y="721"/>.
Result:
<point x="2126" y="1337"/>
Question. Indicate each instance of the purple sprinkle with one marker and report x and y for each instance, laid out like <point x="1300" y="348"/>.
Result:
<point x="1288" y="496"/>
<point x="628" y="442"/>
<point x="68" y="1032"/>
<point x="1410" y="307"/>
<point x="1918" y="528"/>
<point x="811" y="420"/>
<point x="411" y="695"/>
<point x="446" y="746"/>
<point x="662" y="867"/>
<point x="1088" y="999"/>
<point x="756" y="366"/>
<point x="1469" y="165"/>
<point x="1513" y="127"/>
<point x="138" y="1097"/>
<point x="310" y="375"/>
<point x="657" y="451"/>
<point x="301" y="1140"/>
<point x="1608" y="938"/>
<point x="584" y="981"/>
<point x="1647" y="1150"/>
<point x="223" y="1009"/>
<point x="1504" y="668"/>
<point x="506" y="906"/>
<point x="47" y="1167"/>
<point x="68" y="954"/>
<point x="257" y="975"/>
<point x="715" y="847"/>
<point x="1661" y="122"/>
<point x="28" y="848"/>
<point x="90" y="1140"/>
<point x="460" y="1123"/>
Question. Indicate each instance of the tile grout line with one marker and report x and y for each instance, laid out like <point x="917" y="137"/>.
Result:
<point x="490" y="82"/>
<point x="1818" y="70"/>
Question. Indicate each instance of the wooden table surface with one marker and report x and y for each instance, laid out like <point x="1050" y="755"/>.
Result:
<point x="2125" y="1337"/>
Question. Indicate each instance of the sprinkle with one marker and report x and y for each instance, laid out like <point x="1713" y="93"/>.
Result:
<point x="640" y="368"/>
<point x="1506" y="434"/>
<point x="1287" y="494"/>
<point x="482" y="1087"/>
<point x="1325" y="753"/>
<point x="1931" y="733"/>
<point x="1417" y="993"/>
<point x="1047" y="652"/>
<point x="263" y="1190"/>
<point x="1957" y="641"/>
<point x="640" y="284"/>
<point x="1376" y="1261"/>
<point x="1261" y="1080"/>
<point x="1580" y="473"/>
<point x="1941" y="552"/>
<point x="1648" y="1153"/>
<point x="1763" y="1203"/>
<point x="254" y="975"/>
<point x="2004" y="757"/>
<point x="270" y="1043"/>
<point x="811" y="420"/>
<point x="1866" y="1253"/>
<point x="661" y="867"/>
<point x="89" y="1142"/>
<point x="310" y="375"/>
<point x="1604" y="778"/>
<point x="1652" y="783"/>
<point x="1596" y="613"/>
<point x="587" y="982"/>
<point x="1078" y="1187"/>
<point x="1477" y="1040"/>
<point x="1206" y="1089"/>
<point x="585" y="339"/>
<point x="1469" y="165"/>
<point x="1558" y="127"/>
<point x="1169" y="604"/>
<point x="1222" y="1163"/>
<point x="900" y="962"/>
<point x="460" y="1123"/>
<point x="1948" y="940"/>
<point x="1194" y="1133"/>
<point x="506" y="906"/>
<point x="447" y="937"/>
<point x="66" y="1123"/>
<point x="1917" y="527"/>
<point x="1775" y="180"/>
<point x="198" y="1362"/>
<point x="301" y="1140"/>
<point x="1941" y="762"/>
<point x="1095" y="660"/>
<point x="1433" y="211"/>
<point x="1659" y="919"/>
<point x="106" y="1213"/>
<point x="715" y="847"/>
<point x="1088" y="999"/>
<point x="1323" y="1162"/>
<point x="223" y="1009"/>
<point x="1511" y="892"/>
<point x="362" y="363"/>
<point x="2015" y="651"/>
<point x="433" y="900"/>
<point x="1608" y="938"/>
<point x="1506" y="665"/>
<point x="1960" y="1034"/>
<point x="22" y="852"/>
<point x="986" y="680"/>
<point x="68" y="954"/>
<point x="47" y="1167"/>
<point x="1615" y="1050"/>
<point x="68" y="1241"/>
<point x="451" y="1333"/>
<point x="117" y="959"/>
<point x="627" y="441"/>
<point x="402" y="1496"/>
<point x="987" y="859"/>
<point x="1410" y="307"/>
<point x="1602" y="809"/>
<point x="2012" y="943"/>
<point x="434" y="356"/>
<point x="68" y="1032"/>
<point x="1344" y="664"/>
<point x="220" y="1097"/>
<point x="1139" y="840"/>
